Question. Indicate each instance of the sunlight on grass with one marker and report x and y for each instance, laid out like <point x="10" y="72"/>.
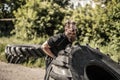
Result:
<point x="4" y="41"/>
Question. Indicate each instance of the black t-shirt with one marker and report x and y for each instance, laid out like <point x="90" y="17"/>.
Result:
<point x="58" y="42"/>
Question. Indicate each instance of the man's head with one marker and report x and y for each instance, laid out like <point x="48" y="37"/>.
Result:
<point x="70" y="30"/>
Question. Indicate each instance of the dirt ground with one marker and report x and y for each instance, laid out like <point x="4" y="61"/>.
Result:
<point x="19" y="72"/>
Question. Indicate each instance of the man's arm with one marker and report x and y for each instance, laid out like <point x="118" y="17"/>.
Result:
<point x="46" y="48"/>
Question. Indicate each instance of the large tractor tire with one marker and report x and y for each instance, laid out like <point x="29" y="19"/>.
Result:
<point x="83" y="63"/>
<point x="20" y="53"/>
<point x="15" y="59"/>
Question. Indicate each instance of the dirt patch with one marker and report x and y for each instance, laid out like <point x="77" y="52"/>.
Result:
<point x="19" y="72"/>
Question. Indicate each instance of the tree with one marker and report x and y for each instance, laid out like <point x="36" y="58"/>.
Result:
<point x="38" y="18"/>
<point x="62" y="3"/>
<point x="6" y="14"/>
<point x="99" y="25"/>
<point x="113" y="12"/>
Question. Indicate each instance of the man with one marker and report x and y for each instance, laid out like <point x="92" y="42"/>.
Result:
<point x="59" y="42"/>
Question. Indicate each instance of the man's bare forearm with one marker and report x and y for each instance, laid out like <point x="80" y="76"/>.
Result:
<point x="48" y="52"/>
<point x="46" y="48"/>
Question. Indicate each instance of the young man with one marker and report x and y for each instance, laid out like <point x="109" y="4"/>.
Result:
<point x="59" y="42"/>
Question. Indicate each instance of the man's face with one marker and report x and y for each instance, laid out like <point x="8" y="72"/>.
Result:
<point x="70" y="31"/>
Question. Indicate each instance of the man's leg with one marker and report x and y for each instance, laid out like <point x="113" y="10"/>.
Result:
<point x="47" y="67"/>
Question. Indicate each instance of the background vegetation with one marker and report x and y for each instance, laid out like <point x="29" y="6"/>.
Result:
<point x="34" y="21"/>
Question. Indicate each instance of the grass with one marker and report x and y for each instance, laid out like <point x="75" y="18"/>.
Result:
<point x="114" y="54"/>
<point x="2" y="57"/>
<point x="4" y="41"/>
<point x="2" y="48"/>
<point x="40" y="62"/>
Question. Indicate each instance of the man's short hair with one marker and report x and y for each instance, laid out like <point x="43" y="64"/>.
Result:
<point x="68" y="22"/>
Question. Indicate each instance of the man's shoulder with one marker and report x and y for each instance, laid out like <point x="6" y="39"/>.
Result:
<point x="56" y="37"/>
<point x="60" y="35"/>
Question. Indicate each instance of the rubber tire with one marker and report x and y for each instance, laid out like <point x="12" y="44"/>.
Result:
<point x="15" y="59"/>
<point x="21" y="53"/>
<point x="84" y="63"/>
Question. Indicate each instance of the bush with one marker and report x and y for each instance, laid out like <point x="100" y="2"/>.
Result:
<point x="37" y="19"/>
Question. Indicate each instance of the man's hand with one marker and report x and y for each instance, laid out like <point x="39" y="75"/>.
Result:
<point x="46" y="48"/>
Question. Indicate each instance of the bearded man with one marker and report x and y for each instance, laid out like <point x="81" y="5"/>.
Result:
<point x="54" y="44"/>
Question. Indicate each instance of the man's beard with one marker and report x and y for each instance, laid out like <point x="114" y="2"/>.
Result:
<point x="71" y="38"/>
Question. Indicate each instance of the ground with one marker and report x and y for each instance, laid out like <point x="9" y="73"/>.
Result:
<point x="19" y="72"/>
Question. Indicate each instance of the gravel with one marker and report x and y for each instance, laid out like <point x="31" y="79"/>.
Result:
<point x="19" y="72"/>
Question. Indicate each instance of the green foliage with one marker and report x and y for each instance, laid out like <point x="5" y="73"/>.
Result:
<point x="6" y="12"/>
<point x="99" y="25"/>
<point x="7" y="7"/>
<point x="2" y="46"/>
<point x="40" y="62"/>
<point x="89" y="24"/>
<point x="62" y="3"/>
<point x="2" y="49"/>
<point x="113" y="13"/>
<point x="38" y="18"/>
<point x="2" y="55"/>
